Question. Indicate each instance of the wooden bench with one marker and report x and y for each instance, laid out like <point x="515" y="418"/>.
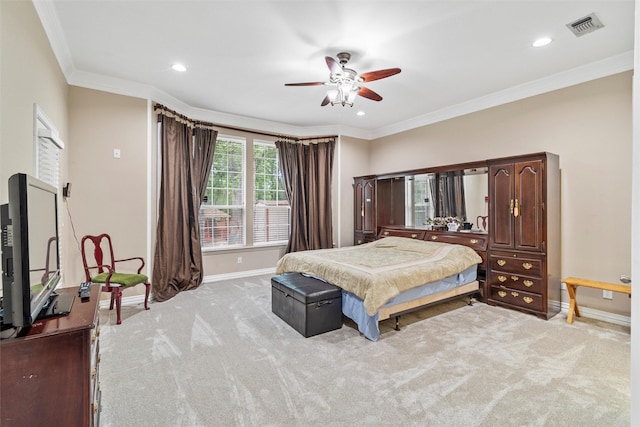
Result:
<point x="572" y="286"/>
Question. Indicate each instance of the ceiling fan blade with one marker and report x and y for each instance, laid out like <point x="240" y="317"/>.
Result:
<point x="334" y="66"/>
<point x="368" y="93"/>
<point x="380" y="74"/>
<point x="305" y="84"/>
<point x="325" y="101"/>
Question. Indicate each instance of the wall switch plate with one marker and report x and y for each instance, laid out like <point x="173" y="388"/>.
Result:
<point x="116" y="153"/>
<point x="239" y="260"/>
<point x="563" y="286"/>
<point x="607" y="294"/>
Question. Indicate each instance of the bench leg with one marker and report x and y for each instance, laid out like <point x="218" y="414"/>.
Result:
<point x="573" y="305"/>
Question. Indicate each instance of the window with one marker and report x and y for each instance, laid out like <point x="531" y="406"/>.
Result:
<point x="271" y="208"/>
<point x="222" y="213"/>
<point x="47" y="149"/>
<point x="224" y="216"/>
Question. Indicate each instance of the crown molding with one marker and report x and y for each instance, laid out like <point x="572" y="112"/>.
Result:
<point x="51" y="25"/>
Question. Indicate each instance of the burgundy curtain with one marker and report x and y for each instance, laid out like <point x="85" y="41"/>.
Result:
<point x="187" y="154"/>
<point x="307" y="170"/>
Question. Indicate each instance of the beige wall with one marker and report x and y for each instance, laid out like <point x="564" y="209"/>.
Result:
<point x="589" y="127"/>
<point x="352" y="160"/>
<point x="29" y="74"/>
<point x="109" y="195"/>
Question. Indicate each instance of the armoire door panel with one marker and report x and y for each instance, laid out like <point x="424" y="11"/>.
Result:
<point x="358" y="217"/>
<point x="368" y="214"/>
<point x="501" y="198"/>
<point x="528" y="190"/>
<point x="364" y="212"/>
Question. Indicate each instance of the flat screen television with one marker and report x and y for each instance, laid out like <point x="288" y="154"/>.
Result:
<point x="31" y="263"/>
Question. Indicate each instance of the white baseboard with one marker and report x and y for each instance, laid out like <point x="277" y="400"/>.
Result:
<point x="238" y="275"/>
<point x="139" y="299"/>
<point x="132" y="300"/>
<point x="594" y="314"/>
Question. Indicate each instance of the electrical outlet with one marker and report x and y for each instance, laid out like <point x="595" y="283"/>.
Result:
<point x="563" y="286"/>
<point x="239" y="260"/>
<point x="607" y="294"/>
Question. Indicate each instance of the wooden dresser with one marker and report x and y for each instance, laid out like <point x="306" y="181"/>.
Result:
<point x="50" y="371"/>
<point x="524" y="233"/>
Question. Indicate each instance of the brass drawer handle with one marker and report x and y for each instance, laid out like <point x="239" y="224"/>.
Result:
<point x="93" y="373"/>
<point x="414" y="235"/>
<point x="515" y="278"/>
<point x="528" y="300"/>
<point x="515" y="294"/>
<point x="502" y="278"/>
<point x="386" y="233"/>
<point x="359" y="242"/>
<point x="474" y="241"/>
<point x="94" y="335"/>
<point x="502" y="294"/>
<point x="434" y="237"/>
<point x="528" y="283"/>
<point x="501" y="262"/>
<point x="527" y="266"/>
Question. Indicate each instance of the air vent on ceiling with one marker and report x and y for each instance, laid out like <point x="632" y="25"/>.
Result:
<point x="585" y="25"/>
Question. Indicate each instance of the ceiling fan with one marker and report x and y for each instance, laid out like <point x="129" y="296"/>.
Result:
<point x="347" y="83"/>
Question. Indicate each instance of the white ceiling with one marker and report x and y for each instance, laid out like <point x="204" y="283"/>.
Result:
<point x="456" y="56"/>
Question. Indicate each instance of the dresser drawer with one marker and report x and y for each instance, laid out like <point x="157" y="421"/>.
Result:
<point x="94" y="364"/>
<point x="527" y="300"/>
<point x="516" y="263"/>
<point x="360" y="238"/>
<point x="412" y="234"/>
<point x="515" y="281"/>
<point x="477" y="242"/>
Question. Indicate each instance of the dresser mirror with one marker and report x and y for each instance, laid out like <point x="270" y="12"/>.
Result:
<point x="410" y="199"/>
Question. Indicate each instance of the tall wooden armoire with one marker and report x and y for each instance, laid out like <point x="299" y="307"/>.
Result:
<point x="524" y="233"/>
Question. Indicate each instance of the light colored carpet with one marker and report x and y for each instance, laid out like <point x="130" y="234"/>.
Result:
<point x="218" y="356"/>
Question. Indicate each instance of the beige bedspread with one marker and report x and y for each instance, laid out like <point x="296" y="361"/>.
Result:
<point x="380" y="270"/>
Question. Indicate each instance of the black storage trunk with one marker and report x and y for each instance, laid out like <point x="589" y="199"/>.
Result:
<point x="309" y="305"/>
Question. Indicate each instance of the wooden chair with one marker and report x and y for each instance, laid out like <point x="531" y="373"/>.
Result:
<point x="105" y="272"/>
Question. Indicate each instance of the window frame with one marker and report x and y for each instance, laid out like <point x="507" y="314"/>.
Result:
<point x="243" y="141"/>
<point x="249" y="181"/>
<point x="47" y="148"/>
<point x="279" y="189"/>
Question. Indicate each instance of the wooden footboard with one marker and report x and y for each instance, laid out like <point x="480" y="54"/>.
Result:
<point x="394" y="310"/>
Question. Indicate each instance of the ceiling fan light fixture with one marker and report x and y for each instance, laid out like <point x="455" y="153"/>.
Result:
<point x="352" y="97"/>
<point x="347" y="82"/>
<point x="333" y="95"/>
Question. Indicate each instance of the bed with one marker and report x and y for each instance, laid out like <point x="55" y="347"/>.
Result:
<point x="390" y="276"/>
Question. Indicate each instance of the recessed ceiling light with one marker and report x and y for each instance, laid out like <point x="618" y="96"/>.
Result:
<point x="360" y="113"/>
<point x="179" y="67"/>
<point x="542" y="41"/>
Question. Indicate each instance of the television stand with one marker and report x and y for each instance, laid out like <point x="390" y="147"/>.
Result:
<point x="51" y="371"/>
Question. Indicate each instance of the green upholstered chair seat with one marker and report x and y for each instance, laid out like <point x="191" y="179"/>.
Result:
<point x="122" y="279"/>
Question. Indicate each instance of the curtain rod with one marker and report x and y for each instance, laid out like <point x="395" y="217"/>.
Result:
<point x="198" y="122"/>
